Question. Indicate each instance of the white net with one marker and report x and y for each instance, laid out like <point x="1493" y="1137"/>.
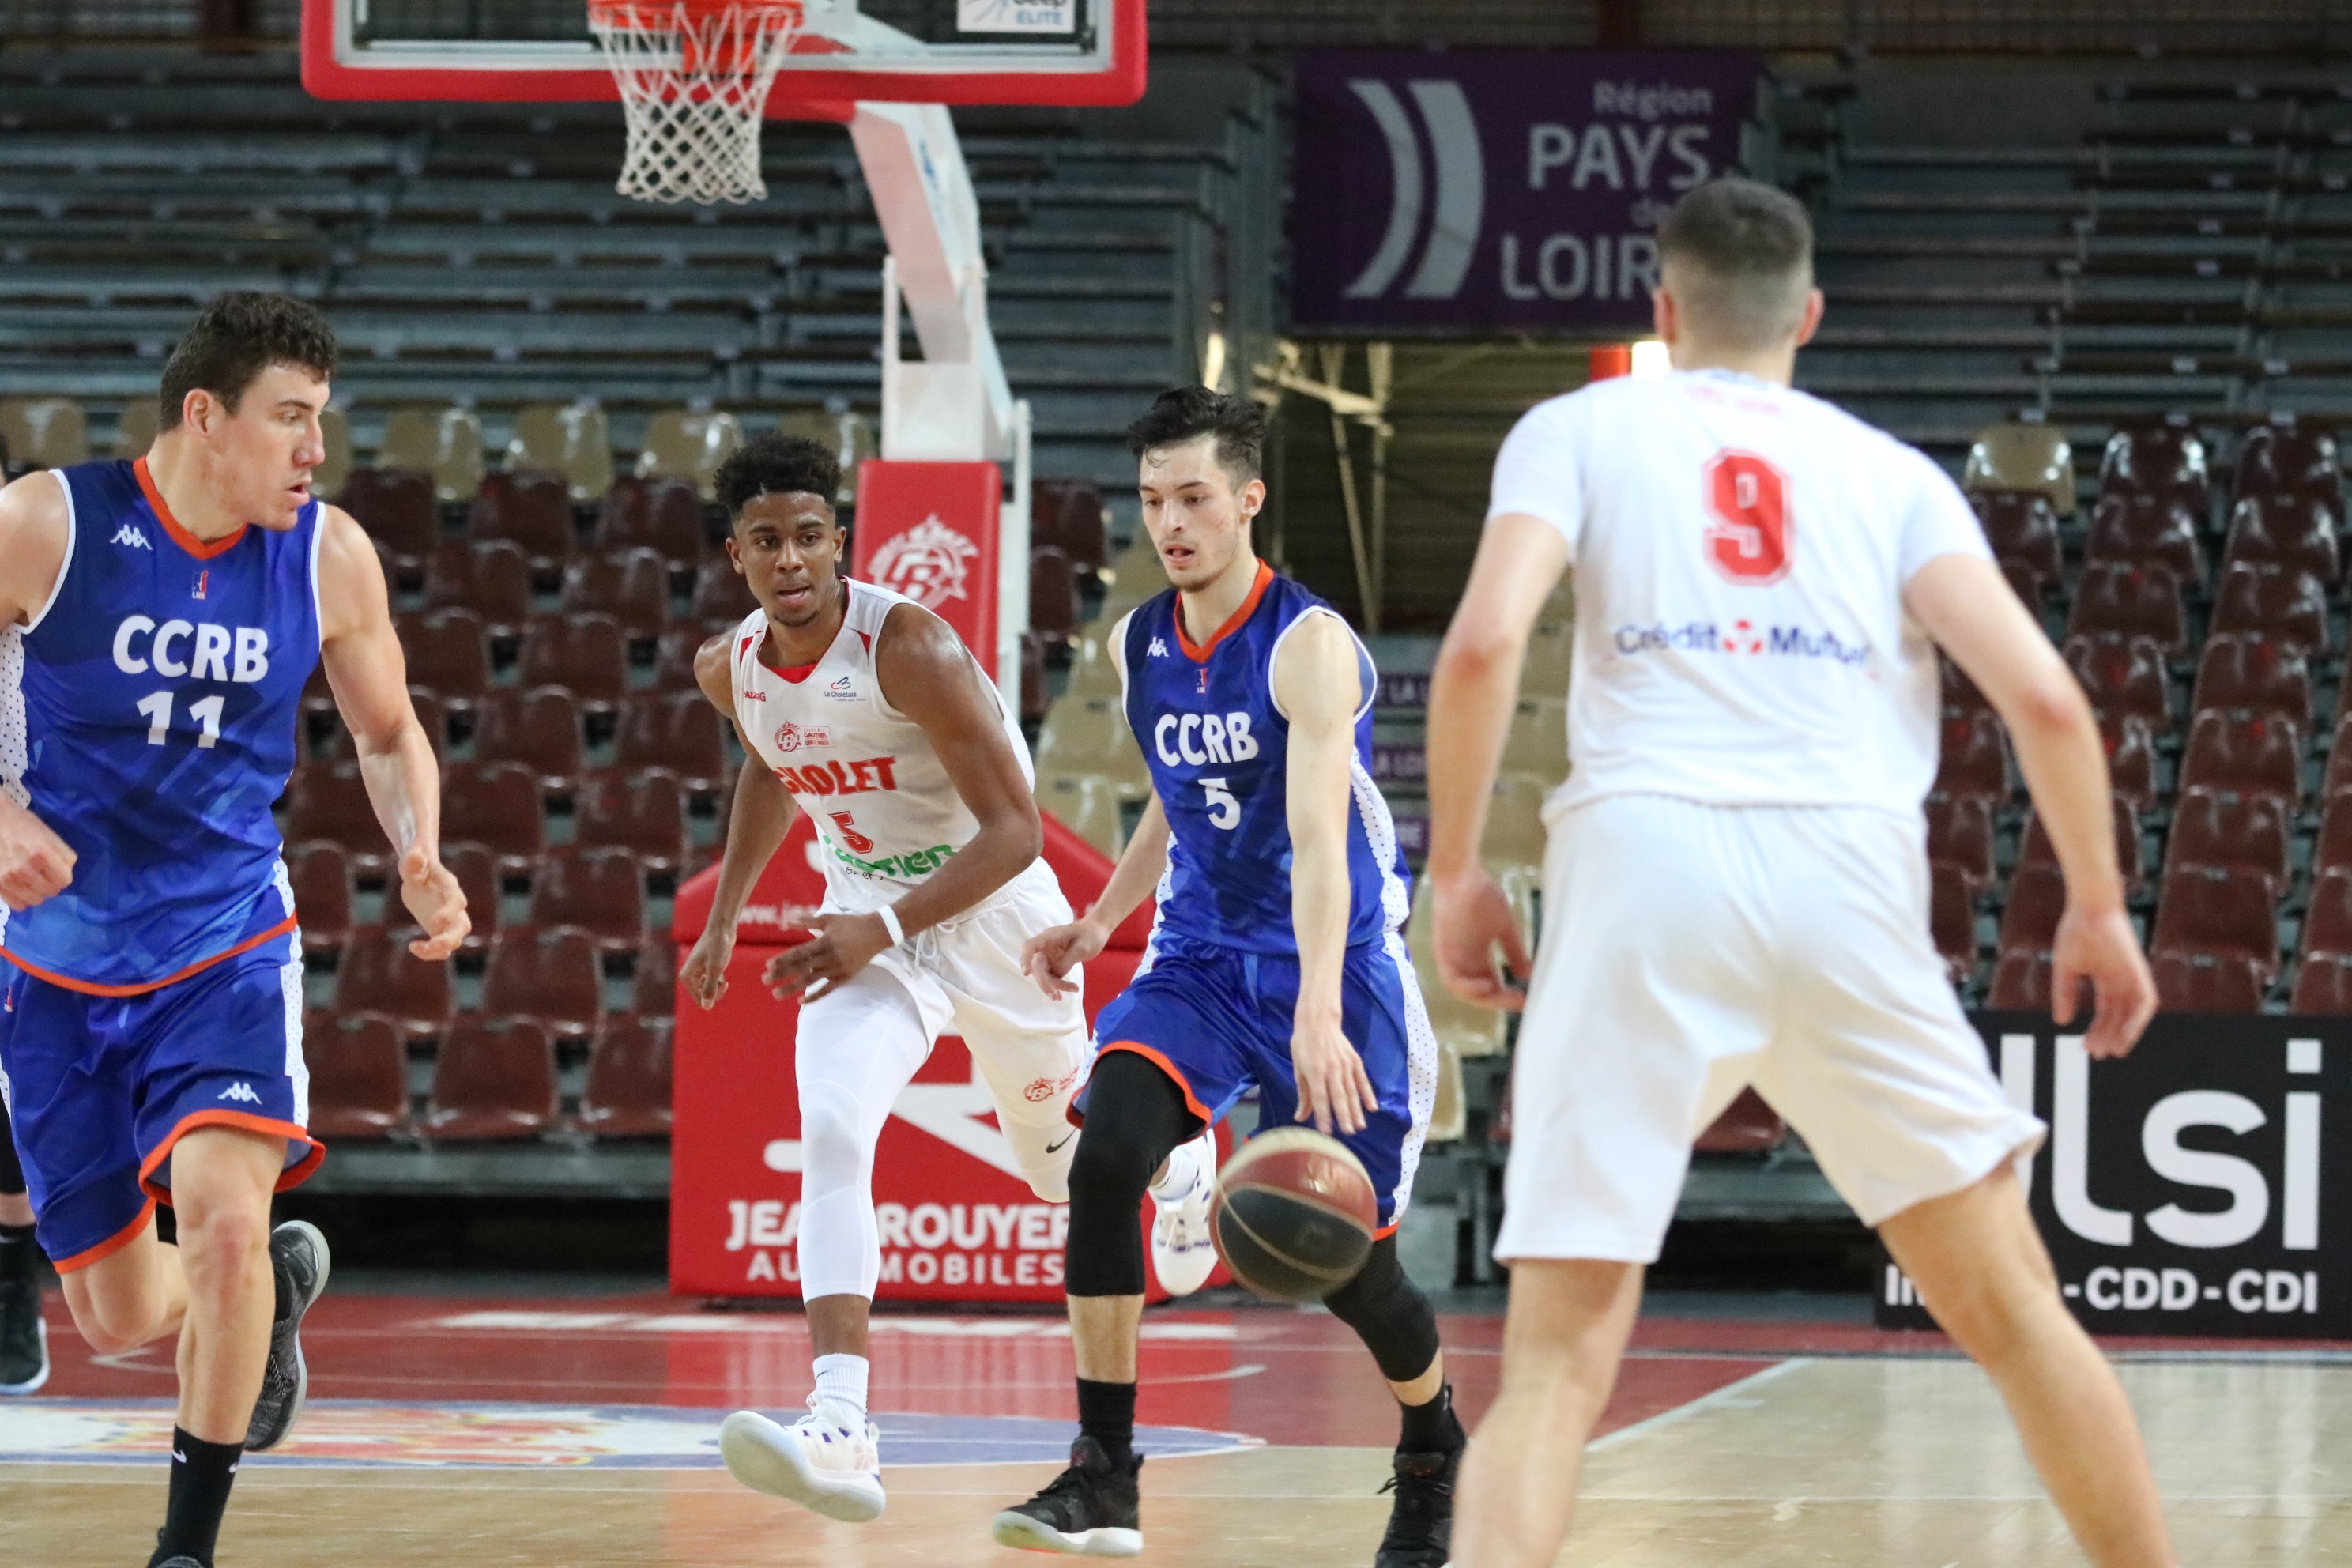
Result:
<point x="694" y="83"/>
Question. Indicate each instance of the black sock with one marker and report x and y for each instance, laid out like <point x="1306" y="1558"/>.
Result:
<point x="202" y="1474"/>
<point x="1106" y="1413"/>
<point x="17" y="1251"/>
<point x="1432" y="1429"/>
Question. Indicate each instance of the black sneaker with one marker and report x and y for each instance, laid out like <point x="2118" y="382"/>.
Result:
<point x="300" y="1253"/>
<point x="24" y="1337"/>
<point x="1421" y="1525"/>
<point x="1089" y="1509"/>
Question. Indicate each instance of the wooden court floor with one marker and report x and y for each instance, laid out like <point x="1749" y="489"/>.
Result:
<point x="572" y="1435"/>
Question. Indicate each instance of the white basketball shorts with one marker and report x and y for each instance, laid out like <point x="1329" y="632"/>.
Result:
<point x="1689" y="951"/>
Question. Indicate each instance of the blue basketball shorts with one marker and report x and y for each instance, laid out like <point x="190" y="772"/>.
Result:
<point x="1217" y="1020"/>
<point x="100" y="1088"/>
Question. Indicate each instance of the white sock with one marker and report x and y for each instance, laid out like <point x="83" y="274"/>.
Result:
<point x="1183" y="1170"/>
<point x="842" y="1378"/>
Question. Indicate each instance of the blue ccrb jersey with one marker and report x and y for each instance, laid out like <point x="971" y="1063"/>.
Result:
<point x="1217" y="747"/>
<point x="147" y="715"/>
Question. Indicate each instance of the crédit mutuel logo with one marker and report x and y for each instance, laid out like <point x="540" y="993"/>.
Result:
<point x="1740" y="639"/>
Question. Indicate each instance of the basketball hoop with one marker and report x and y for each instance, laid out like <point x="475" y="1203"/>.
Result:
<point x="694" y="78"/>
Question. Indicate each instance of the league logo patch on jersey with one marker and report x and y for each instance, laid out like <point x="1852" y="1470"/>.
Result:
<point x="202" y="579"/>
<point x="792" y="737"/>
<point x="925" y="563"/>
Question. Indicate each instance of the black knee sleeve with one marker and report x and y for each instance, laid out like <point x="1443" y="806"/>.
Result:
<point x="1389" y="1313"/>
<point x="1135" y="1115"/>
<point x="12" y="1173"/>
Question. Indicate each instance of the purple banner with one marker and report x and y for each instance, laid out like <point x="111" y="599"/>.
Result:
<point x="1483" y="190"/>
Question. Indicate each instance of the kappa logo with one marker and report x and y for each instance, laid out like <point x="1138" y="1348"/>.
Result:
<point x="131" y="535"/>
<point x="792" y="737"/>
<point x="240" y="1093"/>
<point x="1459" y="214"/>
<point x="926" y="563"/>
<point x="1158" y="650"/>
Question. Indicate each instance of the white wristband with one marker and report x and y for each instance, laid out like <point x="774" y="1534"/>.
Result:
<point x="890" y="923"/>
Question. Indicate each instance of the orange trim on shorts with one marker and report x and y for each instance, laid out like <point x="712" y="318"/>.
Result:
<point x="91" y="988"/>
<point x="294" y="1176"/>
<point x="1386" y="1231"/>
<point x="1199" y="652"/>
<point x="201" y="549"/>
<point x="1192" y="1100"/>
<point x="110" y="1245"/>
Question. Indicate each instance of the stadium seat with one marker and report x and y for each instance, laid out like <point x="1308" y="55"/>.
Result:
<point x="2295" y="529"/>
<point x="2131" y="760"/>
<point x="2213" y="827"/>
<point x="674" y="730"/>
<point x="494" y="804"/>
<point x="721" y="597"/>
<point x="1959" y="838"/>
<point x="627" y="1092"/>
<point x="398" y="509"/>
<point x="1974" y="759"/>
<point x="1449" y="1109"/>
<point x="1550" y="659"/>
<point x="335" y="470"/>
<point x="320" y="872"/>
<point x="585" y="654"/>
<point x="431" y="717"/>
<point x="632" y="586"/>
<point x="2033" y="589"/>
<point x="44" y="432"/>
<point x="358" y="1077"/>
<point x="135" y="425"/>
<point x="2132" y="601"/>
<point x="2021" y="982"/>
<point x="1515" y="835"/>
<point x="2218" y="909"/>
<point x="1036" y="694"/>
<point x="548" y="975"/>
<point x="1748" y="1126"/>
<point x="570" y="440"/>
<point x="2197" y="981"/>
<point x="2323" y="986"/>
<point x="2327" y="919"/>
<point x="444" y="444"/>
<point x="2124" y="677"/>
<point x="2034" y="847"/>
<point x="533" y="510"/>
<point x="2037" y="896"/>
<point x="1053" y="596"/>
<point x="2147" y="531"/>
<point x="476" y="867"/>
<point x="328" y="800"/>
<point x="674" y="653"/>
<point x="1961" y="696"/>
<point x="2286" y="603"/>
<point x="640" y="810"/>
<point x="491" y="1080"/>
<point x="687" y="445"/>
<point x="2020" y="456"/>
<point x="2022" y="527"/>
<point x="664" y="515"/>
<point x="447" y="654"/>
<point x="1535" y="744"/>
<point x="538" y="726"/>
<point x="2154" y="459"/>
<point x="1069" y="515"/>
<point x="378" y="974"/>
<point x="2243" y="672"/>
<point x="2274" y="459"/>
<point x="2337" y="776"/>
<point x="653" y="989"/>
<point x="600" y="889"/>
<point x="850" y="438"/>
<point x="1952" y="919"/>
<point x="2250" y="755"/>
<point x="1465" y="1029"/>
<point x="490" y="577"/>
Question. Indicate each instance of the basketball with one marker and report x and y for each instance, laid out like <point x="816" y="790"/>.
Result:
<point x="1295" y="1215"/>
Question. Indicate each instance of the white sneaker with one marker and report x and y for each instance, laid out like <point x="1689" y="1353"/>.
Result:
<point x="1183" y="1253"/>
<point x="829" y="1461"/>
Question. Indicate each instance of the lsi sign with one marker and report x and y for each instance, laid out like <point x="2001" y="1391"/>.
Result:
<point x="2184" y="1189"/>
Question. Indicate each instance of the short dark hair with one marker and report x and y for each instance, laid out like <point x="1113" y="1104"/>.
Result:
<point x="235" y="338"/>
<point x="1185" y="413"/>
<point x="777" y="464"/>
<point x="1745" y="253"/>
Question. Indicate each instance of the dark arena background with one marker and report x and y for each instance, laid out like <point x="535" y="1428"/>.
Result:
<point x="2094" y="259"/>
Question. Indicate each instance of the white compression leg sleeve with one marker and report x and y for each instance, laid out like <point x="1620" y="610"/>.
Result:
<point x="860" y="1045"/>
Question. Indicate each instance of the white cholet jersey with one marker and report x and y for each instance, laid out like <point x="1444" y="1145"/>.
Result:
<point x="887" y="814"/>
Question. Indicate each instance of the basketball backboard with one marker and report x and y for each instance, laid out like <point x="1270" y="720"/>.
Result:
<point x="1076" y="52"/>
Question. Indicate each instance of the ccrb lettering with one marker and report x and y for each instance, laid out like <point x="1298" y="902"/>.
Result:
<point x="1200" y="738"/>
<point x="201" y="650"/>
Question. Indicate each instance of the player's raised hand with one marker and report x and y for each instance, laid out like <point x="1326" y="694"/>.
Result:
<point x="2103" y="949"/>
<point x="1056" y="951"/>
<point x="431" y="892"/>
<point x="843" y="945"/>
<point x="704" y="972"/>
<point x="1473" y="919"/>
<point x="35" y="863"/>
<point x="1334" y="1090"/>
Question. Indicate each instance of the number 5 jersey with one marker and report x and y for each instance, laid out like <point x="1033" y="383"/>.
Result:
<point x="1217" y="744"/>
<point x="148" y="715"/>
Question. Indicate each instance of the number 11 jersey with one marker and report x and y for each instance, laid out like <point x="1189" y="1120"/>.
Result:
<point x="1740" y="551"/>
<point x="147" y="716"/>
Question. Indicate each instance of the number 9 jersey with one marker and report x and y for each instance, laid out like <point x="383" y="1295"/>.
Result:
<point x="1217" y="744"/>
<point x="147" y="716"/>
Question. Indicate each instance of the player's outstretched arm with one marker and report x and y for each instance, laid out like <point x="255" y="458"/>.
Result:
<point x="1471" y="700"/>
<point x="756" y="824"/>
<point x="35" y="524"/>
<point x="369" y="675"/>
<point x="1319" y="688"/>
<point x="1964" y="603"/>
